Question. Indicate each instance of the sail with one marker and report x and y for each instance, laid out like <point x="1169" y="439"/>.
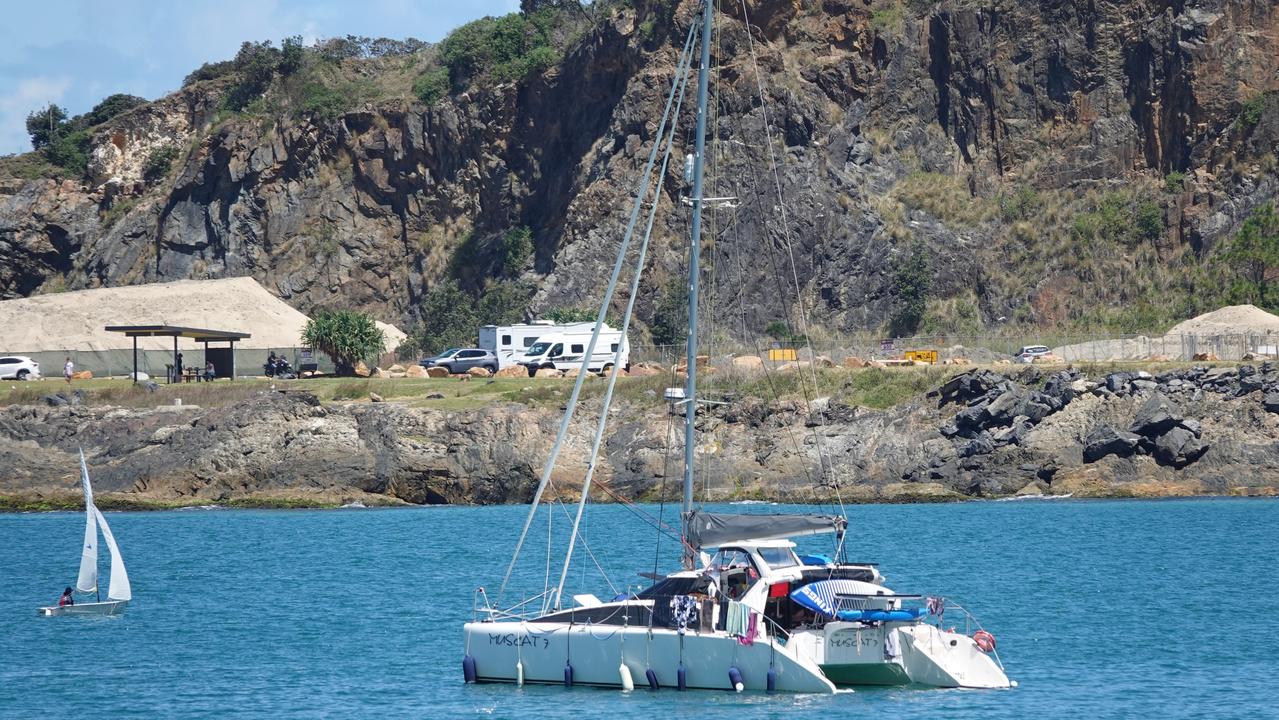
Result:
<point x="707" y="529"/>
<point x="119" y="589"/>
<point x="88" y="580"/>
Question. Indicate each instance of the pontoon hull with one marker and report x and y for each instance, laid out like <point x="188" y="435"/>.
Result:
<point x="596" y="655"/>
<point x="111" y="607"/>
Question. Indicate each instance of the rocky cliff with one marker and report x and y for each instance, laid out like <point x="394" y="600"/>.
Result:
<point x="1190" y="431"/>
<point x="1015" y="145"/>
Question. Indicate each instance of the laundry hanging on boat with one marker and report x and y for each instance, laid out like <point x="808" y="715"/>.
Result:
<point x="738" y="616"/>
<point x="752" y="629"/>
<point x="685" y="611"/>
<point x="892" y="646"/>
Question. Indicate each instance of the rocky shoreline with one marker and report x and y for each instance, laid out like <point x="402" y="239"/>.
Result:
<point x="981" y="434"/>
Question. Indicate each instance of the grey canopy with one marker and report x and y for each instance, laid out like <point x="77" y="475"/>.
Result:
<point x="706" y="529"/>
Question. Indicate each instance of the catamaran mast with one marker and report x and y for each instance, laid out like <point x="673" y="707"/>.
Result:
<point x="694" y="251"/>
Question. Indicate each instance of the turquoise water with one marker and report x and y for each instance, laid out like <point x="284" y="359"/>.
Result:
<point x="1102" y="609"/>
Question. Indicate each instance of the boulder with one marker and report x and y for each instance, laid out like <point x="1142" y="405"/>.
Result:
<point x="1179" y="447"/>
<point x="437" y="372"/>
<point x="479" y="372"/>
<point x="1206" y="357"/>
<point x="980" y="445"/>
<point x="392" y="375"/>
<point x="644" y="371"/>
<point x="1105" y="440"/>
<point x="1155" y="417"/>
<point x="1001" y="409"/>
<point x="415" y="371"/>
<point x="396" y="368"/>
<point x="512" y="371"/>
<point x="1271" y="402"/>
<point x="435" y="396"/>
<point x="748" y="363"/>
<point x="853" y="362"/>
<point x="82" y="375"/>
<point x="821" y="361"/>
<point x="1118" y="381"/>
<point x="361" y="370"/>
<point x="374" y="397"/>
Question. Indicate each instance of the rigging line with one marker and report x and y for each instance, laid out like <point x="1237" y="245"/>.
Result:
<point x="666" y="465"/>
<point x="682" y="82"/>
<point x="685" y="58"/>
<point x="777" y="181"/>
<point x="590" y="553"/>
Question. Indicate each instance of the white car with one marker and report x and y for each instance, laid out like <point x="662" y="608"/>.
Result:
<point x="19" y="367"/>
<point x="1029" y="353"/>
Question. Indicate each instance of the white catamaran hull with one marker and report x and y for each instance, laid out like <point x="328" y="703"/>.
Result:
<point x="851" y="655"/>
<point x="596" y="654"/>
<point x="111" y="607"/>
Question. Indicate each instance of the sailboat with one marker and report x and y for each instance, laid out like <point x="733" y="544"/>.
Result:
<point x="119" y="593"/>
<point x="754" y="615"/>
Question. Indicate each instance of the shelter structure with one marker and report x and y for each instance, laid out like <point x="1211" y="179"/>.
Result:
<point x="223" y="362"/>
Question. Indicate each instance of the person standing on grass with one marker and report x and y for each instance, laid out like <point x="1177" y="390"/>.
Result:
<point x="68" y="370"/>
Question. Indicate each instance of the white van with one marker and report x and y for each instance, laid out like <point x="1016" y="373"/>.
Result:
<point x="510" y="342"/>
<point x="564" y="348"/>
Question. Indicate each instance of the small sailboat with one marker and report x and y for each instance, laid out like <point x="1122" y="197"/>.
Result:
<point x="119" y="593"/>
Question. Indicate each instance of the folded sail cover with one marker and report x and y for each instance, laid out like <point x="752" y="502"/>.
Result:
<point x="707" y="529"/>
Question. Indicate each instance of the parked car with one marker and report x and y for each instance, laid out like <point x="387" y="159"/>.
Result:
<point x="459" y="360"/>
<point x="1028" y="353"/>
<point x="19" y="367"/>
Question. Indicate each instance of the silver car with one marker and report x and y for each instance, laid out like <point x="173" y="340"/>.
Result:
<point x="459" y="360"/>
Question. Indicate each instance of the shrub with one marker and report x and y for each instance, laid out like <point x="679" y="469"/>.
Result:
<point x="1175" y="182"/>
<point x="1148" y="221"/>
<point x="911" y="281"/>
<point x="323" y="102"/>
<point x="432" y="85"/>
<point x="111" y="106"/>
<point x="347" y="337"/>
<point x="157" y="164"/>
<point x="514" y="250"/>
<point x="70" y="152"/>
<point x="448" y="319"/>
<point x="209" y="71"/>
<point x="1253" y="108"/>
<point x="670" y="314"/>
<point x="563" y="315"/>
<point x="45" y="126"/>
<point x="1253" y="253"/>
<point x="292" y="55"/>
<point x="255" y="64"/>
<point x="1020" y="205"/>
<point x="505" y="48"/>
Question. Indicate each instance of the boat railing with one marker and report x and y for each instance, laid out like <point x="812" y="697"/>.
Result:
<point x="515" y="612"/>
<point x="971" y="624"/>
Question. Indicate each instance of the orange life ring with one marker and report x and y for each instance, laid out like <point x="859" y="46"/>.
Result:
<point x="984" y="641"/>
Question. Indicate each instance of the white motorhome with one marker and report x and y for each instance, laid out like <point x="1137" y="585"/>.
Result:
<point x="509" y="342"/>
<point x="563" y="348"/>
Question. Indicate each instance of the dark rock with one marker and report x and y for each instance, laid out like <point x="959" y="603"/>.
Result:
<point x="981" y="445"/>
<point x="1116" y="382"/>
<point x="1155" y="417"/>
<point x="435" y="396"/>
<point x="1179" y="447"/>
<point x="1105" y="440"/>
<point x="1271" y="402"/>
<point x="968" y="387"/>
<point x="1004" y="408"/>
<point x="55" y="400"/>
<point x="1246" y="371"/>
<point x="972" y="418"/>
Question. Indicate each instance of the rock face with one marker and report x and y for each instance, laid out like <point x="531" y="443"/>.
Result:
<point x="1205" y="438"/>
<point x="865" y="101"/>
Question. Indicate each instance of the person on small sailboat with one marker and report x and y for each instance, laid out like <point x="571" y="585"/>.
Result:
<point x="66" y="599"/>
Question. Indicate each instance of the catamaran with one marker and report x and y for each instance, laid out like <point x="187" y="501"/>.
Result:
<point x="754" y="615"/>
<point x="119" y="593"/>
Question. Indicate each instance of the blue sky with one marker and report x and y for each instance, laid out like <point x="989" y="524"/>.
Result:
<point x="76" y="52"/>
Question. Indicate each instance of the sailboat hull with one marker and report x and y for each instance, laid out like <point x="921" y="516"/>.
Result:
<point x="111" y="607"/>
<point x="597" y="652"/>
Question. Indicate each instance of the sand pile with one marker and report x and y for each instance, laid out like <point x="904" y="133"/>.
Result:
<point x="1231" y="320"/>
<point x="75" y="320"/>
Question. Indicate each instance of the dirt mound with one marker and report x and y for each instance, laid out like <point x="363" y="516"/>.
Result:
<point x="1230" y="320"/>
<point x="75" y="320"/>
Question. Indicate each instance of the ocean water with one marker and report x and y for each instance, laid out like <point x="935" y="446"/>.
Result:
<point x="1102" y="609"/>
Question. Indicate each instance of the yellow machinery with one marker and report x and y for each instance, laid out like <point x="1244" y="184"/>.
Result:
<point x="928" y="356"/>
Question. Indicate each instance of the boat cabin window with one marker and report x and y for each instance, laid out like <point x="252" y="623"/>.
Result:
<point x="736" y="571"/>
<point x="778" y="557"/>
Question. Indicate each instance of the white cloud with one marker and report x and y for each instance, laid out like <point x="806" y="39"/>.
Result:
<point x="30" y="94"/>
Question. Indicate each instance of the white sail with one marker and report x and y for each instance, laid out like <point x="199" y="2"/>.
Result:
<point x="119" y="589"/>
<point x="88" y="580"/>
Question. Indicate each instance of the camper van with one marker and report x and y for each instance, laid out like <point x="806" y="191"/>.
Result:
<point x="509" y="342"/>
<point x="564" y="346"/>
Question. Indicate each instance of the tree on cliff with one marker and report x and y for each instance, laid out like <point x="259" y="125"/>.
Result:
<point x="1253" y="254"/>
<point x="911" y="280"/>
<point x="347" y="337"/>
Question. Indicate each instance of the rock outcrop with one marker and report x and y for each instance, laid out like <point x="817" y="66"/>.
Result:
<point x="981" y="434"/>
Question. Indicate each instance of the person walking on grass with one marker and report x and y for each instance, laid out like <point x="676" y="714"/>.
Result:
<point x="68" y="370"/>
